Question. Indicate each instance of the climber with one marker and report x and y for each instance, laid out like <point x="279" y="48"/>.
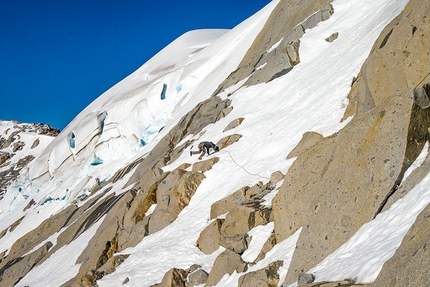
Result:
<point x="204" y="147"/>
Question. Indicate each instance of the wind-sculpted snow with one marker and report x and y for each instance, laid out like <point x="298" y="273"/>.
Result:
<point x="119" y="124"/>
<point x="114" y="157"/>
<point x="134" y="119"/>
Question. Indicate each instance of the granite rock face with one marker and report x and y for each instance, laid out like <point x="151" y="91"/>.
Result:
<point x="346" y="179"/>
<point x="336" y="184"/>
<point x="276" y="49"/>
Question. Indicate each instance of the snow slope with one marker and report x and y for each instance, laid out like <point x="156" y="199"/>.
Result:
<point x="124" y="123"/>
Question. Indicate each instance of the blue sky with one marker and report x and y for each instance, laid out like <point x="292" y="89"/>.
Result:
<point x="56" y="57"/>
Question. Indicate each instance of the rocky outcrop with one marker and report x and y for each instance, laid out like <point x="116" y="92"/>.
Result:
<point x="209" y="240"/>
<point x="308" y="140"/>
<point x="267" y="277"/>
<point x="226" y="263"/>
<point x="275" y="51"/>
<point x="174" y="277"/>
<point x="411" y="262"/>
<point x="9" y="276"/>
<point x="126" y="221"/>
<point x="335" y="185"/>
<point x="173" y="194"/>
<point x="345" y="180"/>
<point x="12" y="143"/>
<point x="233" y="124"/>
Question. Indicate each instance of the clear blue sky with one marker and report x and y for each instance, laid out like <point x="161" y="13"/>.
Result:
<point x="57" y="56"/>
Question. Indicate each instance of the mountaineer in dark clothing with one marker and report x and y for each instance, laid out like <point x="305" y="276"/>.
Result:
<point x="204" y="147"/>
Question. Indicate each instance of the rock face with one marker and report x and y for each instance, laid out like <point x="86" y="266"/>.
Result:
<point x="14" y="137"/>
<point x="410" y="264"/>
<point x="275" y="50"/>
<point x="345" y="180"/>
<point x="226" y="263"/>
<point x="170" y="191"/>
<point x="336" y="184"/>
<point x="267" y="277"/>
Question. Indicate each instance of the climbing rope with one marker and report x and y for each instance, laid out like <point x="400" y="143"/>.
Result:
<point x="253" y="174"/>
<point x="422" y="80"/>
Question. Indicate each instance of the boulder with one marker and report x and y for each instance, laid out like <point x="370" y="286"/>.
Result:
<point x="234" y="230"/>
<point x="266" y="277"/>
<point x="205" y="165"/>
<point x="174" y="277"/>
<point x="226" y="204"/>
<point x="228" y="140"/>
<point x="209" y="238"/>
<point x="112" y="263"/>
<point x="198" y="277"/>
<point x="305" y="278"/>
<point x="233" y="124"/>
<point x="332" y="37"/>
<point x="276" y="177"/>
<point x="226" y="263"/>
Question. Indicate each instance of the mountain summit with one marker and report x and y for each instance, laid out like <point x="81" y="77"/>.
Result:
<point x="321" y="113"/>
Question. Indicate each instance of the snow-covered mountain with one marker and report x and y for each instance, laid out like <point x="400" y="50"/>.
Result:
<point x="320" y="111"/>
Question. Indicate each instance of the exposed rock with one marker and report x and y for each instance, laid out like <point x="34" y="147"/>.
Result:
<point x="44" y="129"/>
<point x="308" y="140"/>
<point x="275" y="50"/>
<point x="184" y="166"/>
<point x="228" y="140"/>
<point x="204" y="166"/>
<point x="305" y="278"/>
<point x="193" y="268"/>
<point x="102" y="247"/>
<point x="226" y="204"/>
<point x="15" y="224"/>
<point x="205" y="113"/>
<point x="177" y="152"/>
<point x="345" y="180"/>
<point x="409" y="183"/>
<point x="209" y="238"/>
<point x="21" y="265"/>
<point x="397" y="64"/>
<point x="198" y="277"/>
<point x="268" y="245"/>
<point x="233" y="124"/>
<point x="35" y="144"/>
<point x="112" y="263"/>
<point x="245" y="196"/>
<point x="421" y="96"/>
<point x="125" y="224"/>
<point x="410" y="265"/>
<point x="343" y="283"/>
<point x="276" y="177"/>
<point x="332" y="37"/>
<point x="174" y="277"/>
<point x="4" y="157"/>
<point x="173" y="194"/>
<point x="238" y="222"/>
<point x="226" y="263"/>
<point x="22" y="162"/>
<point x="266" y="277"/>
<point x="234" y="230"/>
<point x="37" y="236"/>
